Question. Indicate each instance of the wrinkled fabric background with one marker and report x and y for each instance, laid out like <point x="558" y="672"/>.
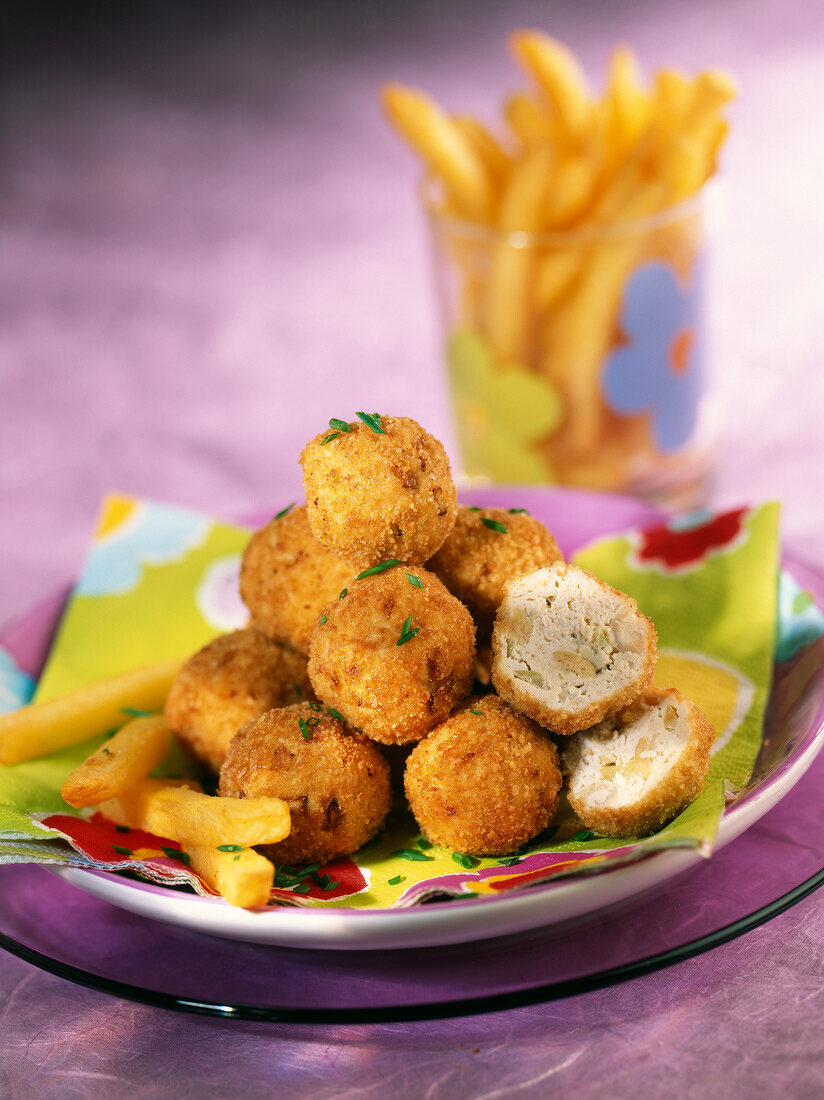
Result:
<point x="209" y="244"/>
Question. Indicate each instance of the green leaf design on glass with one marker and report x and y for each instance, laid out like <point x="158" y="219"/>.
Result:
<point x="503" y="411"/>
<point x="802" y="601"/>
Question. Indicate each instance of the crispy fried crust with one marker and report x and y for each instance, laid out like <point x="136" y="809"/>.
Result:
<point x="476" y="560"/>
<point x="336" y="782"/>
<point x="233" y="679"/>
<point x="552" y="613"/>
<point x="484" y="784"/>
<point x="658" y="801"/>
<point x="286" y="578"/>
<point x="394" y="693"/>
<point x="373" y="497"/>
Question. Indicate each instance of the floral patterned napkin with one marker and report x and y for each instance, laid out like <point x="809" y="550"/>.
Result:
<point x="160" y="581"/>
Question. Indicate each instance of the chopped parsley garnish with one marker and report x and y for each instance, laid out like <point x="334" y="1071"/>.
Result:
<point x="518" y="511"/>
<point x="416" y="582"/>
<point x="407" y="631"/>
<point x="122" y="851"/>
<point x="394" y="881"/>
<point x="340" y="425"/>
<point x="465" y="861"/>
<point x="477" y="712"/>
<point x="343" y="592"/>
<point x="323" y="620"/>
<point x="493" y="524"/>
<point x="371" y="420"/>
<point x="335" y="714"/>
<point x="510" y="861"/>
<point x="412" y="854"/>
<point x="312" y="722"/>
<point x="381" y="568"/>
<point x="176" y="853"/>
<point x="285" y="511"/>
<point x="475" y="508"/>
<point x="230" y="847"/>
<point x="105" y="751"/>
<point x="585" y="834"/>
<point x="298" y="690"/>
<point x="306" y="733"/>
<point x="302" y="888"/>
<point x="315" y="706"/>
<point x="328" y="438"/>
<point x="424" y="844"/>
<point x="122" y="829"/>
<point x="135" y="712"/>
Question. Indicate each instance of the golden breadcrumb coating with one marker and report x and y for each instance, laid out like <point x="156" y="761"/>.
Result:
<point x="286" y="578"/>
<point x="569" y="649"/>
<point x="394" y="693"/>
<point x="335" y="781"/>
<point x="373" y="497"/>
<point x="478" y="558"/>
<point x="234" y="678"/>
<point x="484" y="783"/>
<point x="638" y="769"/>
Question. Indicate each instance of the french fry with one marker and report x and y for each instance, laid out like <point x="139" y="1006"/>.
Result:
<point x="125" y="758"/>
<point x="583" y="332"/>
<point x="556" y="274"/>
<point x="445" y="150"/>
<point x="487" y="148"/>
<point x="570" y="191"/>
<point x="243" y="878"/>
<point x="522" y="209"/>
<point x="624" y="115"/>
<point x="193" y="818"/>
<point x="42" y="728"/>
<point x="555" y="70"/>
<point x="528" y="123"/>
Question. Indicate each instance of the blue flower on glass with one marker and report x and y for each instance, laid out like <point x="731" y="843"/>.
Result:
<point x="658" y="368"/>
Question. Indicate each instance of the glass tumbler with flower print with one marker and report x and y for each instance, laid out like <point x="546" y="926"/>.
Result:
<point x="579" y="357"/>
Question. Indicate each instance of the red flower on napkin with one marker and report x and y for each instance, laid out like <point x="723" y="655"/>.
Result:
<point x="684" y="544"/>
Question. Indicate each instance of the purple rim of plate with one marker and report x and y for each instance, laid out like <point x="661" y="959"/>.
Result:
<point x="71" y="933"/>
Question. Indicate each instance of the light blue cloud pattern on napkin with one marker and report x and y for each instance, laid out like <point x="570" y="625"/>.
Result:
<point x="16" y="686"/>
<point x="153" y="535"/>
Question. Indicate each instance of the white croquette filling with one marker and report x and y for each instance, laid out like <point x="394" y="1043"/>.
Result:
<point x="612" y="765"/>
<point x="570" y="638"/>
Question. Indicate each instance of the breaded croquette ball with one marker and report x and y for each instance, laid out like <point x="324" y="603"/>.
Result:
<point x="638" y="769"/>
<point x="486" y="548"/>
<point x="395" y="655"/>
<point x="335" y="781"/>
<point x="486" y="781"/>
<point x="568" y="649"/>
<point x="373" y="495"/>
<point x="286" y="578"/>
<point x="234" y="678"/>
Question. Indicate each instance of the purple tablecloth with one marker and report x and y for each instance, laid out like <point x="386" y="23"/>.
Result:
<point x="209" y="244"/>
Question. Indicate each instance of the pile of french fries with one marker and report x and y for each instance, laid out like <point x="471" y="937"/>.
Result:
<point x="216" y="835"/>
<point x="545" y="221"/>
